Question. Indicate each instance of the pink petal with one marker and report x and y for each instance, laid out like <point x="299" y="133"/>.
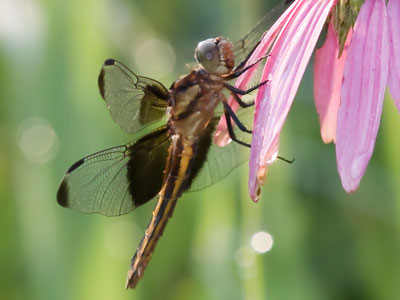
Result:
<point x="364" y="81"/>
<point x="328" y="71"/>
<point x="221" y="135"/>
<point x="289" y="58"/>
<point x="394" y="37"/>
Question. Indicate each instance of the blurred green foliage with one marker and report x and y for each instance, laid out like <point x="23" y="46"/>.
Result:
<point x="327" y="244"/>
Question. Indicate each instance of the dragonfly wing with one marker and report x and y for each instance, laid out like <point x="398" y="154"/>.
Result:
<point x="115" y="181"/>
<point x="245" y="46"/>
<point x="133" y="101"/>
<point x="212" y="163"/>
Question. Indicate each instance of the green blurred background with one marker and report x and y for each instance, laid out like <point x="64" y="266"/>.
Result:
<point x="327" y="244"/>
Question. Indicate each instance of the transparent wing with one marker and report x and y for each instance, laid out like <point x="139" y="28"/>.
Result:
<point x="115" y="181"/>
<point x="213" y="163"/>
<point x="245" y="46"/>
<point x="133" y="101"/>
<point x="219" y="163"/>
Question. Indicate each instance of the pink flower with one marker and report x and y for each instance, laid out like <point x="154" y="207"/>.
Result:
<point x="349" y="89"/>
<point x="362" y="91"/>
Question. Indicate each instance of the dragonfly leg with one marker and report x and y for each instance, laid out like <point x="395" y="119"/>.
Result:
<point x="240" y="69"/>
<point x="234" y="117"/>
<point x="244" y="61"/>
<point x="232" y="135"/>
<point x="289" y="161"/>
<point x="244" y="92"/>
<point x="228" y="116"/>
<point x="240" y="101"/>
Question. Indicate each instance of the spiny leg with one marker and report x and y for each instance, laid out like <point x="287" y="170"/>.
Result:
<point x="243" y="92"/>
<point x="235" y="91"/>
<point x="234" y="117"/>
<point x="230" y="129"/>
<point x="285" y="159"/>
<point x="232" y="135"/>
<point x="240" y="101"/>
<point x="244" y="61"/>
<point x="230" y="115"/>
<point x="240" y="69"/>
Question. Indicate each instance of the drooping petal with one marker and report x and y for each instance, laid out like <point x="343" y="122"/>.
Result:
<point x="362" y="92"/>
<point x="328" y="71"/>
<point x="393" y="11"/>
<point x="289" y="58"/>
<point x="221" y="135"/>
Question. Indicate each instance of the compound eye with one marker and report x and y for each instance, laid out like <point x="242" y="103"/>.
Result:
<point x="207" y="54"/>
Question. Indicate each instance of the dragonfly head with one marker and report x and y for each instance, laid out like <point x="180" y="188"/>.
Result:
<point x="215" y="55"/>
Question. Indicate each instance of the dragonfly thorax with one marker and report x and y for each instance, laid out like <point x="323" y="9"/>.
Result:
<point x="215" y="55"/>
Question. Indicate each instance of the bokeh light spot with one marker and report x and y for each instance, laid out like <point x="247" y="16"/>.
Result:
<point x="261" y="242"/>
<point x="21" y="24"/>
<point x="37" y="140"/>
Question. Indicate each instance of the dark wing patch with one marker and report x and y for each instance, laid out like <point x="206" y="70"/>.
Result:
<point x="109" y="62"/>
<point x="62" y="194"/>
<point x="146" y="166"/>
<point x="133" y="101"/>
<point x="115" y="181"/>
<point x="75" y="165"/>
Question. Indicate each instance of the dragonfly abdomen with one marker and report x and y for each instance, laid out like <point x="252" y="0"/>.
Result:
<point x="180" y="160"/>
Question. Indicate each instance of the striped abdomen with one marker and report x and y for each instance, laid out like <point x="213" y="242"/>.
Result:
<point x="180" y="160"/>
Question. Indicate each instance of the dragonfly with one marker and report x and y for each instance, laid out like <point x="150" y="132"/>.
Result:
<point x="176" y="157"/>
